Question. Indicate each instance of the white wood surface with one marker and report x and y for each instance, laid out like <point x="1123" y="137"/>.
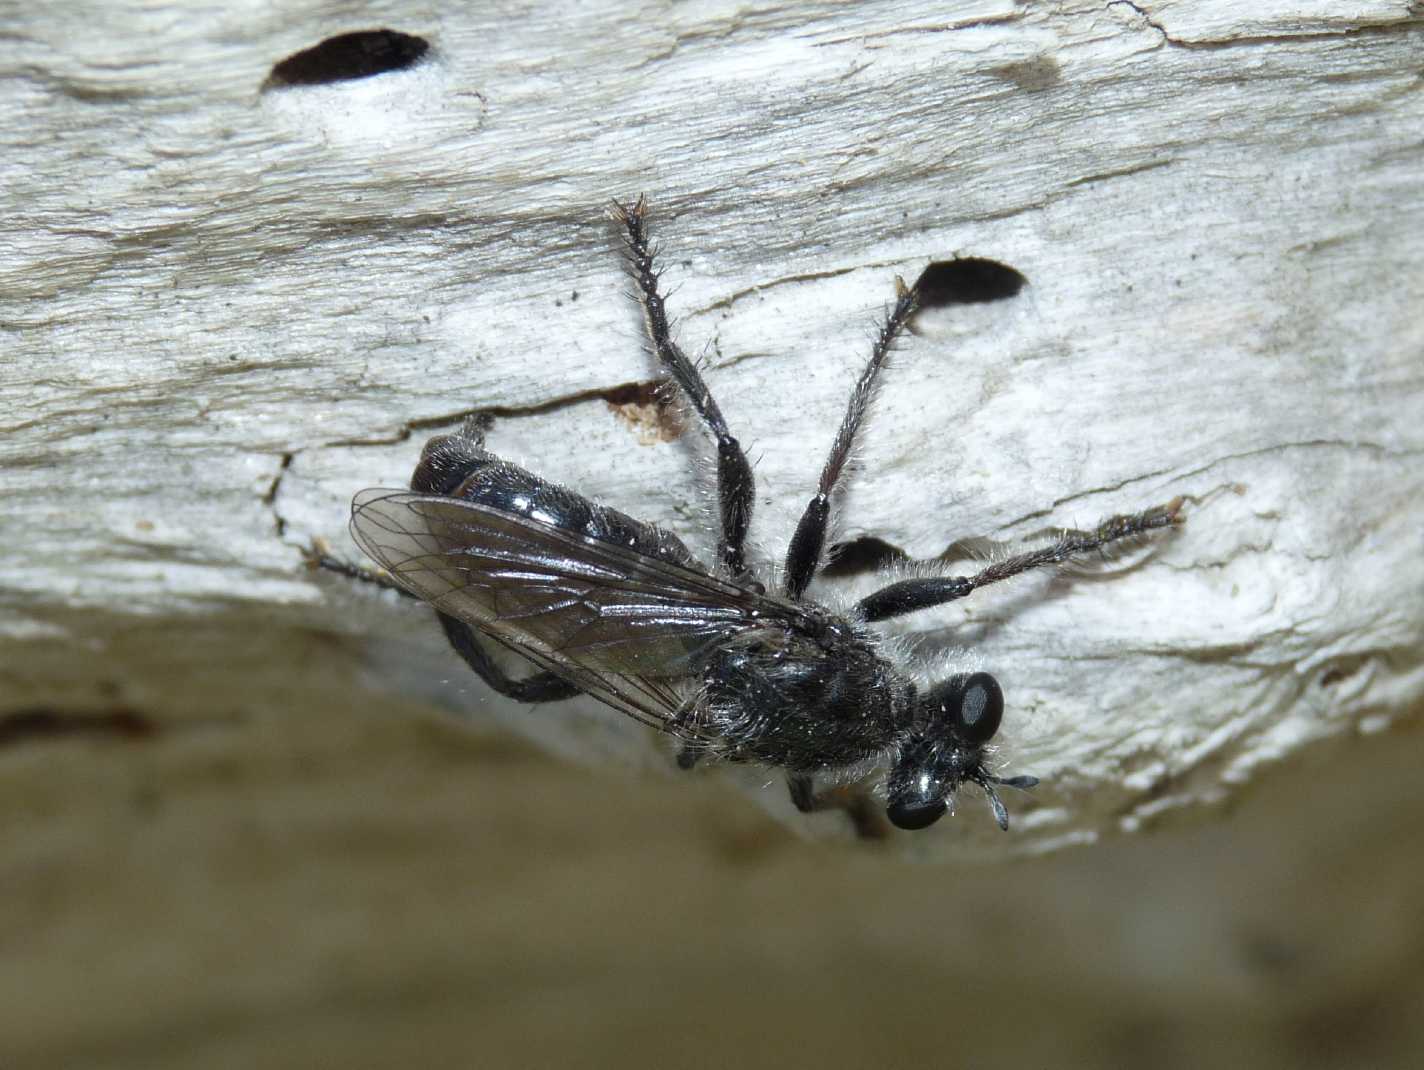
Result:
<point x="223" y="311"/>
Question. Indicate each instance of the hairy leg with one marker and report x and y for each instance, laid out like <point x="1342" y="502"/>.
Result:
<point x="735" y="487"/>
<point x="907" y="596"/>
<point x="803" y="555"/>
<point x="541" y="687"/>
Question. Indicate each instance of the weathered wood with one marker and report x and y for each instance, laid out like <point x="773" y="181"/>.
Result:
<point x="226" y="308"/>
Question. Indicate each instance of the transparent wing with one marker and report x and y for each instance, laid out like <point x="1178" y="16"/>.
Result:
<point x="624" y="626"/>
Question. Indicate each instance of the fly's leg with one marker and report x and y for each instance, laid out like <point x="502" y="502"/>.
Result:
<point x="541" y="687"/>
<point x="865" y="816"/>
<point x="803" y="555"/>
<point x="684" y="725"/>
<point x="907" y="596"/>
<point x="445" y="463"/>
<point x="938" y="284"/>
<point x="735" y="487"/>
<point x="319" y="556"/>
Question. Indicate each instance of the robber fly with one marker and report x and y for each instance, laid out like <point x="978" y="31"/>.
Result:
<point x="619" y="609"/>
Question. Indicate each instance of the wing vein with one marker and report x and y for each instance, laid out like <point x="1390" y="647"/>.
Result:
<point x="627" y="627"/>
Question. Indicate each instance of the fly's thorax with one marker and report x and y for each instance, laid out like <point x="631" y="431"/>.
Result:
<point x="806" y="695"/>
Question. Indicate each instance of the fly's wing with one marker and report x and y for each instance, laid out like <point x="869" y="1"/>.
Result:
<point x="623" y="626"/>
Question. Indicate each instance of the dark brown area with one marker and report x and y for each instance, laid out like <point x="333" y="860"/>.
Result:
<point x="23" y="726"/>
<point x="968" y="280"/>
<point x="865" y="554"/>
<point x="646" y="408"/>
<point x="348" y="56"/>
<point x="1032" y="75"/>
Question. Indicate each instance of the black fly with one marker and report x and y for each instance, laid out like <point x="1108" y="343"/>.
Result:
<point x="620" y="609"/>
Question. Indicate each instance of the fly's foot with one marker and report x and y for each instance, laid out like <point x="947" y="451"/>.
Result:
<point x="865" y="816"/>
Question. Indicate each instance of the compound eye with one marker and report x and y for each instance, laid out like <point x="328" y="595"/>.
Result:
<point x="912" y="814"/>
<point x="980" y="709"/>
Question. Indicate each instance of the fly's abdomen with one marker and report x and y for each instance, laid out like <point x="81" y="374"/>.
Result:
<point x="459" y="466"/>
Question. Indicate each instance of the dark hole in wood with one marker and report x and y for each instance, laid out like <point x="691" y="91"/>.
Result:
<point x="865" y="554"/>
<point x="350" y="55"/>
<point x="1342" y="670"/>
<point x="967" y="281"/>
<point x="43" y="723"/>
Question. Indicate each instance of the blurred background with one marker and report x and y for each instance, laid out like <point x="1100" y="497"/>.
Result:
<point x="298" y="878"/>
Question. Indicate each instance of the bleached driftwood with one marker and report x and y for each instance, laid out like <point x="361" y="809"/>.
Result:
<point x="227" y="308"/>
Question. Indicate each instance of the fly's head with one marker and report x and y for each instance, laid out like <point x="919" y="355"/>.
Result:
<point x="954" y="723"/>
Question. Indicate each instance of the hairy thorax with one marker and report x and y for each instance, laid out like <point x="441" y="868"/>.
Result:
<point x="808" y="698"/>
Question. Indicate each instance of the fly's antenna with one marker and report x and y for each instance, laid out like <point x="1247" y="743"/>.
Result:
<point x="1001" y="813"/>
<point x="1023" y="783"/>
<point x="987" y="782"/>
